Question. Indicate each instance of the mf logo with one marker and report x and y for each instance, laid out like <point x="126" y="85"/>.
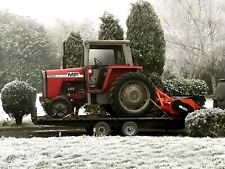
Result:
<point x="74" y="74"/>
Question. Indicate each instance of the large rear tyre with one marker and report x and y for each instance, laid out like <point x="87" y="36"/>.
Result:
<point x="131" y="95"/>
<point x="59" y="107"/>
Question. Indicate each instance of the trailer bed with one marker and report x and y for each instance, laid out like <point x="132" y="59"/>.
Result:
<point x="88" y="121"/>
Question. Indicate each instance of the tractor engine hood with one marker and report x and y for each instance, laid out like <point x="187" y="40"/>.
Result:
<point x="65" y="73"/>
<point x="56" y="78"/>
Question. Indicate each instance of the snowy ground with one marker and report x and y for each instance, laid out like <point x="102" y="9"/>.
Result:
<point x="112" y="152"/>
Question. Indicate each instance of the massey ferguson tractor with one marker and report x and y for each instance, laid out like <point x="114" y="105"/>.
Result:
<point x="109" y="82"/>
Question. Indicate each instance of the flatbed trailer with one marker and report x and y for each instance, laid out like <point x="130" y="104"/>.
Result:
<point x="103" y="125"/>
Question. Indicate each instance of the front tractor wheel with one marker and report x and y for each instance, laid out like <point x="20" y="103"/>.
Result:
<point x="59" y="107"/>
<point x="131" y="95"/>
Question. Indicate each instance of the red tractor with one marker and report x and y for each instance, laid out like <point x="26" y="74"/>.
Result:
<point x="107" y="79"/>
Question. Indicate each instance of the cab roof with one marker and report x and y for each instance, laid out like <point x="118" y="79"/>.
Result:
<point x="107" y="42"/>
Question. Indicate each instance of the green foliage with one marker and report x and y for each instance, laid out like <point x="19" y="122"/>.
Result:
<point x="156" y="79"/>
<point x="147" y="38"/>
<point x="206" y="122"/>
<point x="73" y="50"/>
<point x="183" y="86"/>
<point x="204" y="75"/>
<point x="110" y="28"/>
<point x="18" y="98"/>
<point x="24" y="50"/>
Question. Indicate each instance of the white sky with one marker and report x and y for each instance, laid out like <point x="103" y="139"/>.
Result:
<point x="47" y="11"/>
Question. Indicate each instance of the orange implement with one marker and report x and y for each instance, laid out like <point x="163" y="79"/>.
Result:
<point x="175" y="107"/>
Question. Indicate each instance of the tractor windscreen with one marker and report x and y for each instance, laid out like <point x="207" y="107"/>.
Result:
<point x="105" y="56"/>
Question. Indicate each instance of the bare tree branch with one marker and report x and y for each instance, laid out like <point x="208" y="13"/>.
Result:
<point x="184" y="46"/>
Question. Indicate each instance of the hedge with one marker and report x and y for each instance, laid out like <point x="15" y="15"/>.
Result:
<point x="206" y="122"/>
<point x="181" y="86"/>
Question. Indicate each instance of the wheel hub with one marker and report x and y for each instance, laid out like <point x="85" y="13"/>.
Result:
<point x="130" y="130"/>
<point x="134" y="95"/>
<point x="102" y="130"/>
<point x="59" y="108"/>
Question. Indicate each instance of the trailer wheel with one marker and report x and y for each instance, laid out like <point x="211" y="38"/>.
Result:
<point x="102" y="129"/>
<point x="129" y="128"/>
<point x="131" y="94"/>
<point x="59" y="107"/>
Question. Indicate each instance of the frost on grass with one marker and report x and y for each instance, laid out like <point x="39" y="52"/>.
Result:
<point x="112" y="152"/>
<point x="18" y="99"/>
<point x="206" y="122"/>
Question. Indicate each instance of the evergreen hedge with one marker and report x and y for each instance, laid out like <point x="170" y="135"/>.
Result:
<point x="181" y="86"/>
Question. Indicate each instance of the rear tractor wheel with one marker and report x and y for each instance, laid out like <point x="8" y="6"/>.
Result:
<point x="59" y="107"/>
<point x="131" y="95"/>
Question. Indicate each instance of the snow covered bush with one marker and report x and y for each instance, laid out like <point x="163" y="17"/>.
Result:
<point x="206" y="122"/>
<point x="181" y="86"/>
<point x="18" y="99"/>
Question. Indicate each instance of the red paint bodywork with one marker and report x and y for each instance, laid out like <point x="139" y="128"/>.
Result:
<point x="54" y="84"/>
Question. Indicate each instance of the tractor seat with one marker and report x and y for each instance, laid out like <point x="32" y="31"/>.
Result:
<point x="101" y="77"/>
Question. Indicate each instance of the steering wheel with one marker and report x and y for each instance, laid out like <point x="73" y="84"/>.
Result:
<point x="97" y="62"/>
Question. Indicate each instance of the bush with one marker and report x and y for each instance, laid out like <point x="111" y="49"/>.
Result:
<point x="18" y="99"/>
<point x="206" y="122"/>
<point x="183" y="86"/>
<point x="156" y="79"/>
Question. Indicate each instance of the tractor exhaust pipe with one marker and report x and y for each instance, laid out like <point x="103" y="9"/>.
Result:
<point x="64" y="56"/>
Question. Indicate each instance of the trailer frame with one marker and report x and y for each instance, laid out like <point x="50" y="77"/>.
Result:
<point x="115" y="123"/>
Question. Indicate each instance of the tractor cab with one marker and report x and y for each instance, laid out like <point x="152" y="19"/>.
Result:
<point x="99" y="55"/>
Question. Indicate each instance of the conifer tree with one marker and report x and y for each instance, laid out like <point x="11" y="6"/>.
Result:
<point x="146" y="38"/>
<point x="73" y="50"/>
<point x="110" y="28"/>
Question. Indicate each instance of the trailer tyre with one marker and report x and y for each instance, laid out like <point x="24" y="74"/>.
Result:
<point x="129" y="128"/>
<point x="59" y="107"/>
<point x="102" y="129"/>
<point x="131" y="94"/>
